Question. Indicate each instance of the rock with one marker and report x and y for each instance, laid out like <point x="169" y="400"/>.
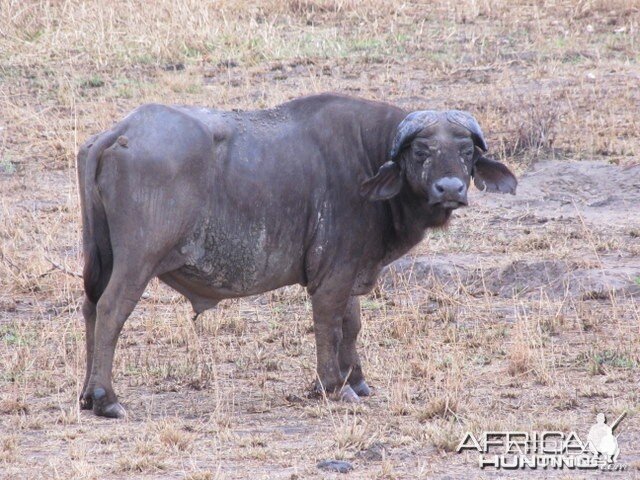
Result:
<point x="173" y="67"/>
<point x="375" y="453"/>
<point x="335" y="466"/>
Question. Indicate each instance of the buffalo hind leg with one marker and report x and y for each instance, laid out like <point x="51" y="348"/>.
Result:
<point x="328" y="311"/>
<point x="348" y="357"/>
<point x="125" y="287"/>
<point x="89" y="314"/>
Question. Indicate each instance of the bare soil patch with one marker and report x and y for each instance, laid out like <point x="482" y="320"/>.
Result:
<point x="582" y="195"/>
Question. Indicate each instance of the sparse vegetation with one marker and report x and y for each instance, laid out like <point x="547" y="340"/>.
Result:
<point x="225" y="397"/>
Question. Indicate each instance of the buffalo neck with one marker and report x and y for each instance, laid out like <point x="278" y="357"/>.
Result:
<point x="410" y="216"/>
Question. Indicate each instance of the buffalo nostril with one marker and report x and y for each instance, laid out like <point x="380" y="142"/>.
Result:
<point x="449" y="189"/>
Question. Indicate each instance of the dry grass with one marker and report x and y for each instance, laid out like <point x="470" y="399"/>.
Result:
<point x="225" y="397"/>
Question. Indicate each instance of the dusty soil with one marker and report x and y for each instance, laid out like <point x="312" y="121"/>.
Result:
<point x="589" y="195"/>
<point x="522" y="315"/>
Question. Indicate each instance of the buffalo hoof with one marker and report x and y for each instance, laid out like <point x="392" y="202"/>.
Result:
<point x="362" y="389"/>
<point x="346" y="394"/>
<point x="102" y="408"/>
<point x="335" y="466"/>
<point x="112" y="410"/>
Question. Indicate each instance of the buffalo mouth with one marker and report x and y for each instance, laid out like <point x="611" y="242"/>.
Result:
<point x="450" y="204"/>
<point x="453" y="204"/>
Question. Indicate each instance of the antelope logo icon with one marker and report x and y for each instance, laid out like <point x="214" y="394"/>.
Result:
<point x="601" y="440"/>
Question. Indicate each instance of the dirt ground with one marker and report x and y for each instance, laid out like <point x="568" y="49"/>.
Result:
<point x="522" y="315"/>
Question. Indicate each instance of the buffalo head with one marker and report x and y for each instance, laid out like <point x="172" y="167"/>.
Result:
<point x="435" y="155"/>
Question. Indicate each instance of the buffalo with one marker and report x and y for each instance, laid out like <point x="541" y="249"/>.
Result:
<point x="322" y="191"/>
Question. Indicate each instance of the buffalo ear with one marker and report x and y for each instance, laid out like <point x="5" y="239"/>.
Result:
<point x="386" y="184"/>
<point x="493" y="176"/>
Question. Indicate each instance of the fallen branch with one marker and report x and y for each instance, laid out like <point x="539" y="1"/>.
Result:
<point x="56" y="266"/>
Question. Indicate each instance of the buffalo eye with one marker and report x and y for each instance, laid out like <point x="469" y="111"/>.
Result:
<point x="421" y="155"/>
<point x="467" y="152"/>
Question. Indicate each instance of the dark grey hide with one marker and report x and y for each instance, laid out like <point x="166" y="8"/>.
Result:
<point x="322" y="191"/>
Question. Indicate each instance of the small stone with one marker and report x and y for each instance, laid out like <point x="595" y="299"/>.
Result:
<point x="335" y="466"/>
<point x="291" y="398"/>
<point x="173" y="67"/>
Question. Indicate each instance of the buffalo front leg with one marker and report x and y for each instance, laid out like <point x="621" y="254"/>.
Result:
<point x="114" y="307"/>
<point x="348" y="357"/>
<point x="328" y="313"/>
<point x="89" y="314"/>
